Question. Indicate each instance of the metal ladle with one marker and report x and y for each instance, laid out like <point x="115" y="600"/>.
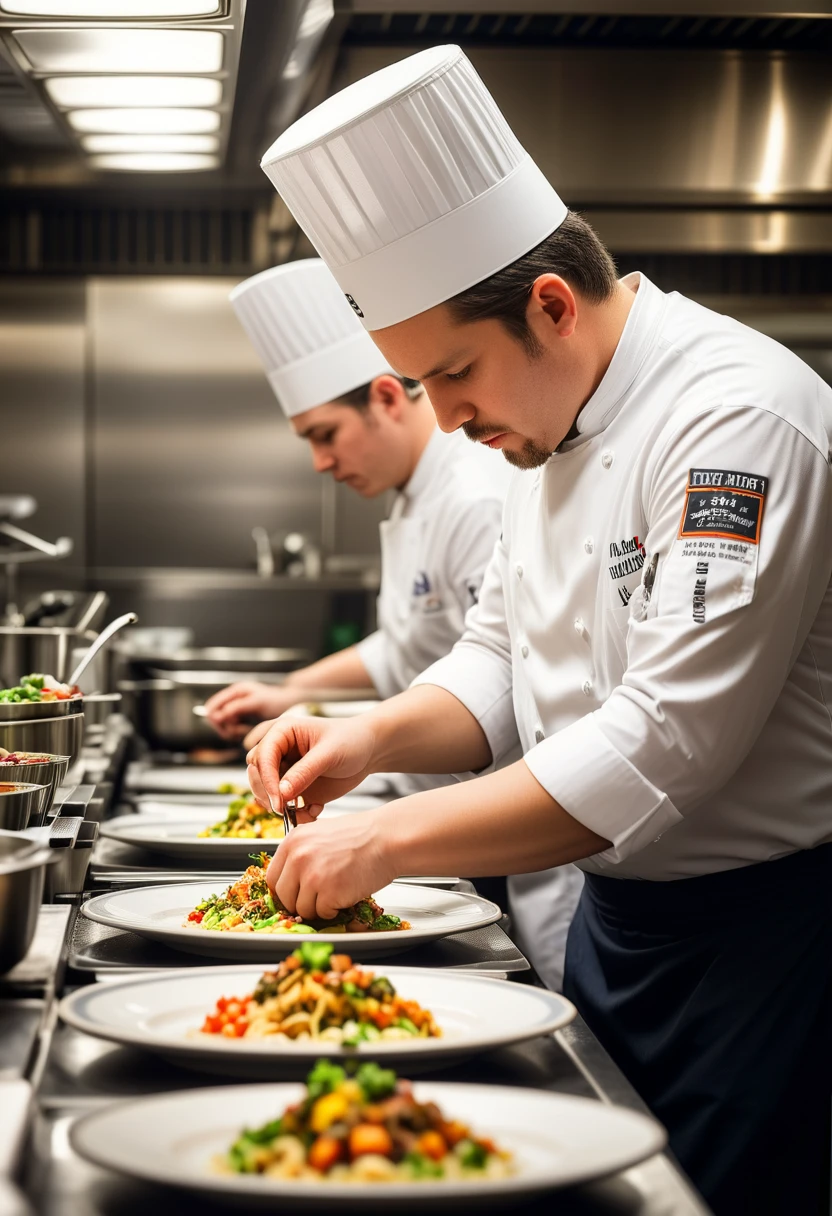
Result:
<point x="100" y="642"/>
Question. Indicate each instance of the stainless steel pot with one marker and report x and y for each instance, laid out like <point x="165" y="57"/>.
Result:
<point x="23" y="865"/>
<point x="162" y="711"/>
<point x="17" y="711"/>
<point x="49" y="774"/>
<point x="57" y="736"/>
<point x="239" y="662"/>
<point x="50" y="650"/>
<point x="19" y="802"/>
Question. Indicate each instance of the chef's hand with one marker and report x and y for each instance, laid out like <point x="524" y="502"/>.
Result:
<point x="314" y="757"/>
<point x="323" y="867"/>
<point x="232" y="711"/>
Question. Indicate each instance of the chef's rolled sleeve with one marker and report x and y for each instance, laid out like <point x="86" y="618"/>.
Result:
<point x="709" y="652"/>
<point x="374" y="652"/>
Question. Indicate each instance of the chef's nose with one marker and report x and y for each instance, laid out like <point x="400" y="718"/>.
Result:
<point x="452" y="414"/>
<point x="322" y="462"/>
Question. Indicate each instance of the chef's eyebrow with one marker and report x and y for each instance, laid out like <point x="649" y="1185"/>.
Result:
<point x="314" y="426"/>
<point x="440" y="368"/>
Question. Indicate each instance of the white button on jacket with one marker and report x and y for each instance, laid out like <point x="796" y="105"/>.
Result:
<point x="707" y="743"/>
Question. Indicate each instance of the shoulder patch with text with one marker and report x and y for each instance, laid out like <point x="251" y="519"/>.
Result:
<point x="724" y="503"/>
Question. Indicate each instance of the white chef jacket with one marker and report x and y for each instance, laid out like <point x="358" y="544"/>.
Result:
<point x="688" y="723"/>
<point x="435" y="548"/>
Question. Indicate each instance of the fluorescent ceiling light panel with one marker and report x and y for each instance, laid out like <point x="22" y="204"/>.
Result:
<point x="145" y="122"/>
<point x="155" y="162"/>
<point x="65" y="50"/>
<point x="150" y="143"/>
<point x="71" y="92"/>
<point x="111" y="8"/>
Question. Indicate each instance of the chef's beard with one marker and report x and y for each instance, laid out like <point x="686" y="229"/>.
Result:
<point x="530" y="456"/>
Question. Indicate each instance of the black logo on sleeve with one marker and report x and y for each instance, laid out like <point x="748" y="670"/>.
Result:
<point x="354" y="306"/>
<point x="720" y="502"/>
<point x="699" y="593"/>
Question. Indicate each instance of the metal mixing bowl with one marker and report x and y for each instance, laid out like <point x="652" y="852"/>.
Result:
<point x="57" y="736"/>
<point x="23" y="865"/>
<point x="49" y="773"/>
<point x="15" y="711"/>
<point x="19" y="801"/>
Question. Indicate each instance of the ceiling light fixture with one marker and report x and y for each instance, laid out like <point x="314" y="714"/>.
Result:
<point x="154" y="162"/>
<point x="63" y="50"/>
<point x="145" y="122"/>
<point x="150" y="143"/>
<point x="111" y="8"/>
<point x="75" y="92"/>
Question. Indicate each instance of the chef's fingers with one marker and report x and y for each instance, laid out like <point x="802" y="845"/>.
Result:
<point x="257" y="787"/>
<point x="234" y="708"/>
<point x="257" y="733"/>
<point x="306" y="902"/>
<point x="267" y="757"/>
<point x="299" y="776"/>
<point x="310" y="812"/>
<point x="287" y="887"/>
<point x="218" y="700"/>
<point x="233" y="731"/>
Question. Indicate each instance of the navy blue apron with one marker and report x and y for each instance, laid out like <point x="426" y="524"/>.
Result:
<point x="714" y="997"/>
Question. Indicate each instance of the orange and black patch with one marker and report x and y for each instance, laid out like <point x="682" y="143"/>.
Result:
<point x="724" y="503"/>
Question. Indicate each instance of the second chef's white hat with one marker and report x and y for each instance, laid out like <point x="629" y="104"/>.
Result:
<point x="310" y="341"/>
<point x="412" y="186"/>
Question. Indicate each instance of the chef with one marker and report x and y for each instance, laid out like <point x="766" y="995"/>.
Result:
<point x="655" y="625"/>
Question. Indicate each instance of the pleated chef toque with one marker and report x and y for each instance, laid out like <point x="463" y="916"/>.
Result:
<point x="412" y="186"/>
<point x="310" y="341"/>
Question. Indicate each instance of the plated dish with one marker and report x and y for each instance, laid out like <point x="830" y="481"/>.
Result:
<point x="248" y="906"/>
<point x="165" y="1014"/>
<point x="554" y="1140"/>
<point x="160" y="913"/>
<point x="245" y="819"/>
<point x="316" y="994"/>
<point x="367" y="1128"/>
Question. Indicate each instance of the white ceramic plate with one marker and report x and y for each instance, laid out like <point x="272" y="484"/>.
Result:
<point x="184" y="778"/>
<point x="182" y="806"/>
<point x="159" y="913"/>
<point x="180" y="838"/>
<point x="557" y="1141"/>
<point x="161" y="1014"/>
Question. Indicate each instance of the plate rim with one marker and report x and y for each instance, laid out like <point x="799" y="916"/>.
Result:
<point x="252" y="1186"/>
<point x="181" y="933"/>
<point x="255" y="1050"/>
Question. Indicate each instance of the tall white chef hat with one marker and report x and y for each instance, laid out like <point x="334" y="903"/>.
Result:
<point x="412" y="186"/>
<point x="310" y="341"/>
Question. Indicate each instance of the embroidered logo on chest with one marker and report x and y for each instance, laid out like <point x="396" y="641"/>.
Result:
<point x="626" y="557"/>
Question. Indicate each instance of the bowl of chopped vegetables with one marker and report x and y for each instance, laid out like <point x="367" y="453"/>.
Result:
<point x="38" y="696"/>
<point x="42" y="768"/>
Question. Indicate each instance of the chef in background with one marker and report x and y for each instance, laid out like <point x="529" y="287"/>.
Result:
<point x="374" y="431"/>
<point x="655" y="626"/>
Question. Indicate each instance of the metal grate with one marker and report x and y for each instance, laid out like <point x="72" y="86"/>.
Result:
<point x="102" y="240"/>
<point x="552" y="29"/>
<point x="733" y="274"/>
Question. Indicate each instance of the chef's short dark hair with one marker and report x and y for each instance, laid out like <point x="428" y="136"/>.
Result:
<point x="574" y="251"/>
<point x="359" y="398"/>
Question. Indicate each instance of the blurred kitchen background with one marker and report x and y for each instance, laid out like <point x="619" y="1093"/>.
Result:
<point x="696" y="136"/>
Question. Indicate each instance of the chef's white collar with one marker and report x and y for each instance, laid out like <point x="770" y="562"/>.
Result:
<point x="633" y="347"/>
<point x="439" y="451"/>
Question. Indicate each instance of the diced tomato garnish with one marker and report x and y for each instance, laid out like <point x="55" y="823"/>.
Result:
<point x="196" y="916"/>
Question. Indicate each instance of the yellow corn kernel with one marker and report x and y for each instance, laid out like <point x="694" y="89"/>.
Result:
<point x="327" y="1110"/>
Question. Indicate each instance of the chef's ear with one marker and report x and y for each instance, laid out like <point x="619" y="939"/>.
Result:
<point x="552" y="299"/>
<point x="387" y="393"/>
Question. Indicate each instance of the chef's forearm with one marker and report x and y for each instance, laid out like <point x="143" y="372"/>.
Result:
<point x="504" y="823"/>
<point x="341" y="670"/>
<point x="427" y="730"/>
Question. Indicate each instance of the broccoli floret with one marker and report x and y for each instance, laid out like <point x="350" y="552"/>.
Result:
<point x="376" y="1082"/>
<point x="315" y="956"/>
<point x="421" y="1166"/>
<point x="471" y="1155"/>
<point x="323" y="1078"/>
